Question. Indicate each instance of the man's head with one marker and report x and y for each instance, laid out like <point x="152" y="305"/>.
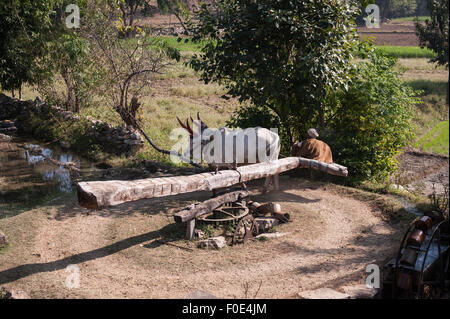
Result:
<point x="312" y="133"/>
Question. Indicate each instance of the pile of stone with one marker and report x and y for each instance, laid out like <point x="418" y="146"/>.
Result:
<point x="7" y="127"/>
<point x="123" y="139"/>
<point x="168" y="31"/>
<point x="264" y="223"/>
<point x="5" y="138"/>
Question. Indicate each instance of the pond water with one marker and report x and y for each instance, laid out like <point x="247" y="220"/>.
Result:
<point x="28" y="178"/>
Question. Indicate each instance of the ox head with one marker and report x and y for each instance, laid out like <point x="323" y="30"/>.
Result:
<point x="195" y="131"/>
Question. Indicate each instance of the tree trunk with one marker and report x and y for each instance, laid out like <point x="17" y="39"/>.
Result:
<point x="71" y="101"/>
<point x="448" y="83"/>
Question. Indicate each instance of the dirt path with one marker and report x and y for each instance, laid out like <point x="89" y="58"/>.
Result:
<point x="119" y="252"/>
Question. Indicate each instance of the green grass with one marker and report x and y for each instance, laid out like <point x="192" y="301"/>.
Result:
<point x="406" y="51"/>
<point x="420" y="18"/>
<point x="429" y="87"/>
<point x="185" y="45"/>
<point x="436" y="140"/>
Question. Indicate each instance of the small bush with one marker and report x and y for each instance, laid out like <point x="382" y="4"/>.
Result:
<point x="372" y="122"/>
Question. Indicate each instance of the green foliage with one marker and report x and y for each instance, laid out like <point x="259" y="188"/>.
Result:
<point x="283" y="55"/>
<point x="25" y="28"/>
<point x="402" y="8"/>
<point x="70" y="58"/>
<point x="372" y="119"/>
<point x="434" y="33"/>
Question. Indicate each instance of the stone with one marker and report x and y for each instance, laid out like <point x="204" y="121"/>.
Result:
<point x="360" y="291"/>
<point x="19" y="294"/>
<point x="135" y="136"/>
<point x="271" y="235"/>
<point x="266" y="223"/>
<point x="5" y="138"/>
<point x="3" y="240"/>
<point x="398" y="188"/>
<point x="199" y="234"/>
<point x="198" y="294"/>
<point x="213" y="243"/>
<point x="4" y="294"/>
<point x="6" y="123"/>
<point x="322" y="293"/>
<point x="10" y="129"/>
<point x="132" y="142"/>
<point x="64" y="145"/>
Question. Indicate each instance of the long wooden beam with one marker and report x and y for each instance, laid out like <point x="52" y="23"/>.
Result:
<point x="100" y="194"/>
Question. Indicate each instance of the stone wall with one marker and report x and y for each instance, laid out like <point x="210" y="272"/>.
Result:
<point x="37" y="118"/>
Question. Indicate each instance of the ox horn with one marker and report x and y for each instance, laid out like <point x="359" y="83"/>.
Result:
<point x="181" y="123"/>
<point x="188" y="127"/>
<point x="201" y="121"/>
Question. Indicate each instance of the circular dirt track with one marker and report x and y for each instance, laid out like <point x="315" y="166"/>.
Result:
<point x="121" y="251"/>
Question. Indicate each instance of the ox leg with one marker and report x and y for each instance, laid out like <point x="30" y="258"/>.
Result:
<point x="276" y="182"/>
<point x="266" y="184"/>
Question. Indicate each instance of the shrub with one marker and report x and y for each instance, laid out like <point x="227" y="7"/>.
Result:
<point x="372" y="120"/>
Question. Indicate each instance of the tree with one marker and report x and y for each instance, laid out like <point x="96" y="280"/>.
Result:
<point x="69" y="59"/>
<point x="280" y="54"/>
<point x="434" y="33"/>
<point x="402" y="8"/>
<point x="128" y="65"/>
<point x="25" y="28"/>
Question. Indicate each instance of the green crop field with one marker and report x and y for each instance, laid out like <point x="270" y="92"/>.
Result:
<point x="406" y="51"/>
<point x="436" y="140"/>
<point x="420" y="18"/>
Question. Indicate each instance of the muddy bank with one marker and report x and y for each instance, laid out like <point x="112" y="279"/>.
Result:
<point x="422" y="172"/>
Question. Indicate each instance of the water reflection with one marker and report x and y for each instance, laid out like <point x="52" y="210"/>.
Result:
<point x="51" y="172"/>
<point x="27" y="177"/>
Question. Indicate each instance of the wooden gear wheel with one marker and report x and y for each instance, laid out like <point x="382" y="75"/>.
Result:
<point x="226" y="213"/>
<point x="245" y="229"/>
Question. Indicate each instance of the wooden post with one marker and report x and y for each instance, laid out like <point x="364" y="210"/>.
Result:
<point x="190" y="226"/>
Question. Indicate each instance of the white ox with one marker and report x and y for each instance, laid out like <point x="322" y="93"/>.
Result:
<point x="227" y="148"/>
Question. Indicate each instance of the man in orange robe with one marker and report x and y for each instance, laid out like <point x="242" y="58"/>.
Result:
<point x="312" y="148"/>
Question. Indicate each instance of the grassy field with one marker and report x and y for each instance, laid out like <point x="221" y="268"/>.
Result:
<point x="420" y="18"/>
<point x="436" y="140"/>
<point x="406" y="51"/>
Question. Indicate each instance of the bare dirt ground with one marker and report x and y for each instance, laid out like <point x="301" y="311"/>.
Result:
<point x="121" y="251"/>
<point x="423" y="172"/>
<point x="394" y="33"/>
